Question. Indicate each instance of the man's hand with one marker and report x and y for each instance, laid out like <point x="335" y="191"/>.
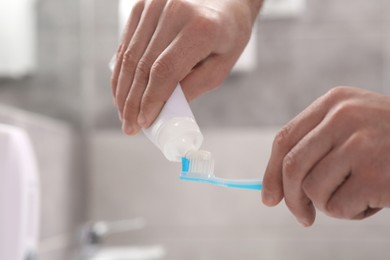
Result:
<point x="334" y="157"/>
<point x="194" y="42"/>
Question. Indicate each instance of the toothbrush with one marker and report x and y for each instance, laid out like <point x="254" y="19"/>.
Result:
<point x="199" y="166"/>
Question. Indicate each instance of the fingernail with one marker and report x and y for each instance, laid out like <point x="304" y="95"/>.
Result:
<point x="268" y="199"/>
<point x="142" y="120"/>
<point x="304" y="222"/>
<point x="127" y="128"/>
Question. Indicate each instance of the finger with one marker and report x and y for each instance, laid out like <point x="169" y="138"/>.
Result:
<point x="289" y="136"/>
<point x="297" y="164"/>
<point x="350" y="200"/>
<point x="136" y="49"/>
<point x="164" y="34"/>
<point x="206" y="76"/>
<point x="171" y="67"/>
<point x="130" y="28"/>
<point x="359" y="195"/>
<point x="326" y="176"/>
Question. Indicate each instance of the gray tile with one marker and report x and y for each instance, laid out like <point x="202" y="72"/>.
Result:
<point x="55" y="88"/>
<point x="324" y="62"/>
<point x="106" y="16"/>
<point x="373" y="12"/>
<point x="55" y="16"/>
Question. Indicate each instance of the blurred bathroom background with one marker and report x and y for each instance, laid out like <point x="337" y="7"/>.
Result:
<point x="90" y="171"/>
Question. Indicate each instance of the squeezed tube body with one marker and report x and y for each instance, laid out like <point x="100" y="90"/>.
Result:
<point x="175" y="131"/>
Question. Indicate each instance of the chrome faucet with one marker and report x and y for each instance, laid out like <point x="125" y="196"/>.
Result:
<point x="93" y="234"/>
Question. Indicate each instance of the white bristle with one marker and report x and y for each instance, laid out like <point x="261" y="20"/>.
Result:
<point x="201" y="162"/>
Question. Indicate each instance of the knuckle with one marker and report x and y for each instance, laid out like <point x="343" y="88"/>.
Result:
<point x="360" y="138"/>
<point x="289" y="166"/>
<point x="336" y="94"/>
<point x="207" y="23"/>
<point x="176" y="6"/>
<point x="129" y="60"/>
<point x="281" y="138"/>
<point x="345" y="112"/>
<point x="338" y="91"/>
<point x="162" y="68"/>
<point x="143" y="67"/>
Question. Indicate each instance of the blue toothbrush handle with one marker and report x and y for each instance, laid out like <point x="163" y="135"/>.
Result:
<point x="241" y="184"/>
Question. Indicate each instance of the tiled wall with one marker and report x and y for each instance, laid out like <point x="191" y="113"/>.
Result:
<point x="54" y="89"/>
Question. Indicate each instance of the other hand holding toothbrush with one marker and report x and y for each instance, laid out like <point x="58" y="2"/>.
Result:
<point x="334" y="157"/>
<point x="195" y="42"/>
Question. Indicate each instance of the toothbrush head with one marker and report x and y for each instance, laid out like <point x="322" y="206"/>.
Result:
<point x="198" y="164"/>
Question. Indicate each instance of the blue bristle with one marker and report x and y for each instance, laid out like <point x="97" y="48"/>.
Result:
<point x="185" y="164"/>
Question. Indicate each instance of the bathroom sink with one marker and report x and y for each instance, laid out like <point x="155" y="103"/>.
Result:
<point x="130" y="253"/>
